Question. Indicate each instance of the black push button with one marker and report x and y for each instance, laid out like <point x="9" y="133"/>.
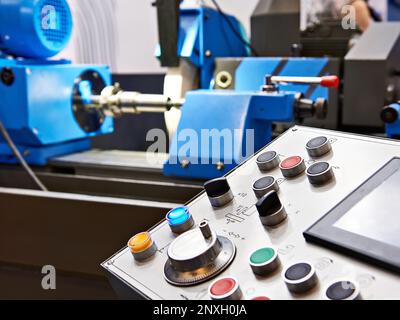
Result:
<point x="343" y="290"/>
<point x="316" y="142"/>
<point x="264" y="185"/>
<point x="298" y="271"/>
<point x="266" y="156"/>
<point x="320" y="173"/>
<point x="318" y="168"/>
<point x="318" y="147"/>
<point x="268" y="161"/>
<point x="270" y="209"/>
<point x="300" y="277"/>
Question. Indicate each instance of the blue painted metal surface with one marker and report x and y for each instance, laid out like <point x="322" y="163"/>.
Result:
<point x="204" y="30"/>
<point x="226" y="127"/>
<point x="34" y="28"/>
<point x="394" y="10"/>
<point x="40" y="155"/>
<point x="393" y="129"/>
<point x="37" y="109"/>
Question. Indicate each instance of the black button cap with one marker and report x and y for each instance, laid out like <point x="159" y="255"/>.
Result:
<point x="298" y="271"/>
<point x="266" y="156"/>
<point x="340" y="290"/>
<point x="217" y="187"/>
<point x="264" y="183"/>
<point x="318" y="168"/>
<point x="317" y="142"/>
<point x="320" y="173"/>
<point x="268" y="161"/>
<point x="318" y="147"/>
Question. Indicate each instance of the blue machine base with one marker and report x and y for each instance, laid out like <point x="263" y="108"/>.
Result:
<point x="40" y="156"/>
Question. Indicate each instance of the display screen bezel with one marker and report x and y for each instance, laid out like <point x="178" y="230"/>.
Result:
<point x="325" y="233"/>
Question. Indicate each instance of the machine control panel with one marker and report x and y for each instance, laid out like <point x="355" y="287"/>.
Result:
<point x="254" y="233"/>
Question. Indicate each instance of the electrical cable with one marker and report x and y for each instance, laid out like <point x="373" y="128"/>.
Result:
<point x="232" y="27"/>
<point x="20" y="158"/>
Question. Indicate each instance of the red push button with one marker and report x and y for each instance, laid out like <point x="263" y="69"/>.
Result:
<point x="223" y="286"/>
<point x="261" y="298"/>
<point x="225" y="289"/>
<point x="291" y="162"/>
<point x="292" y="166"/>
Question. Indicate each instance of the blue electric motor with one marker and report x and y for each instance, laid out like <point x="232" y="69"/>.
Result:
<point x="37" y="105"/>
<point x="34" y="28"/>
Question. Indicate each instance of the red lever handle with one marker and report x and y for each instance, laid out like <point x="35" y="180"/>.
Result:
<point x="326" y="81"/>
<point x="330" y="81"/>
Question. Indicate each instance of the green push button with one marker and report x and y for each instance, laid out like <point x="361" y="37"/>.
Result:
<point x="262" y="255"/>
<point x="264" y="261"/>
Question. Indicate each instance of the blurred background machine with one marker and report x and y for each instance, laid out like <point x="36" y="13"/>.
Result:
<point x="51" y="108"/>
<point x="296" y="221"/>
<point x="369" y="72"/>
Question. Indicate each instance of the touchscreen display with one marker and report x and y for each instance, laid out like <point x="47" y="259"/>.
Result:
<point x="377" y="214"/>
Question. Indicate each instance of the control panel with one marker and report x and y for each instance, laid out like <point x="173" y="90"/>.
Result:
<point x="256" y="235"/>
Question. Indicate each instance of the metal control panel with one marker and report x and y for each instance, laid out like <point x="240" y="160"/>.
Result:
<point x="244" y="237"/>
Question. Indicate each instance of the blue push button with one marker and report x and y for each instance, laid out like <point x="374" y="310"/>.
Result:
<point x="180" y="219"/>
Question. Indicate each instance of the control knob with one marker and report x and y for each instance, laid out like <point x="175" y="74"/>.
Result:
<point x="197" y="255"/>
<point x="219" y="192"/>
<point x="271" y="210"/>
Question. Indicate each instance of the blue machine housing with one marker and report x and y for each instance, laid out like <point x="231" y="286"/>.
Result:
<point x="241" y="122"/>
<point x="204" y="30"/>
<point x="42" y="122"/>
<point x="238" y="111"/>
<point x="36" y="105"/>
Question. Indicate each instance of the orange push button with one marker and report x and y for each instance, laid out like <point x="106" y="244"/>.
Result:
<point x="142" y="246"/>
